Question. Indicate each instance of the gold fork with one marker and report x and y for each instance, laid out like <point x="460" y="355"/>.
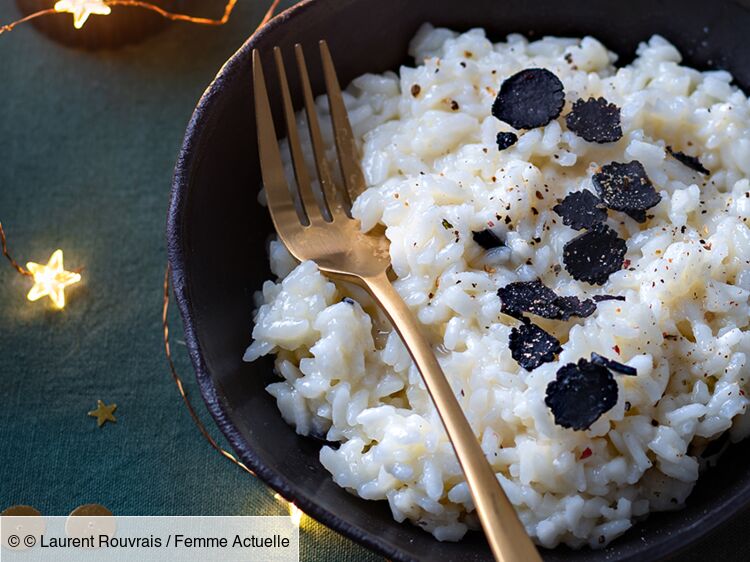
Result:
<point x="315" y="225"/>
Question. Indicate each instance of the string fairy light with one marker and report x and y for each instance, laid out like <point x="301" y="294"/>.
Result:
<point x="50" y="279"/>
<point x="82" y="9"/>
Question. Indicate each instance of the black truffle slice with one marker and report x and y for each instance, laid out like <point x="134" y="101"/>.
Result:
<point x="595" y="120"/>
<point x="528" y="296"/>
<point x="504" y="140"/>
<point x="487" y="239"/>
<point x="636" y="215"/>
<point x="529" y="99"/>
<point x="573" y="306"/>
<point x="581" y="209"/>
<point x="613" y="365"/>
<point x="626" y="187"/>
<point x="691" y="162"/>
<point x="580" y="394"/>
<point x="602" y="298"/>
<point x="531" y="346"/>
<point x="594" y="255"/>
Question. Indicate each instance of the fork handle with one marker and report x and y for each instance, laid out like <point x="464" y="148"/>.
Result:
<point x="505" y="533"/>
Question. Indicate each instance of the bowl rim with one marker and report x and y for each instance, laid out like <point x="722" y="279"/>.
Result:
<point x="176" y="263"/>
<point x="664" y="546"/>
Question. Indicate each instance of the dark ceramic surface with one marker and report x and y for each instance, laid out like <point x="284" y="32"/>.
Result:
<point x="217" y="235"/>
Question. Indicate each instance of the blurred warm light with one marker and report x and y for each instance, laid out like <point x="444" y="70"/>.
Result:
<point x="294" y="512"/>
<point x="50" y="279"/>
<point x="82" y="9"/>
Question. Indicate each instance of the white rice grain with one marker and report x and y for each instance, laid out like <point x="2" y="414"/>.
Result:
<point x="429" y="157"/>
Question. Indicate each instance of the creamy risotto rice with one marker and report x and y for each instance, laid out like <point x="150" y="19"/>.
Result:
<point x="435" y="175"/>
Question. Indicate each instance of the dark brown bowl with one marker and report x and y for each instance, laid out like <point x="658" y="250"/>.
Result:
<point x="217" y="242"/>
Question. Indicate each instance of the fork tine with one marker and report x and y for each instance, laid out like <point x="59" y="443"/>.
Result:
<point x="342" y="129"/>
<point x="324" y="172"/>
<point x="280" y="202"/>
<point x="298" y="160"/>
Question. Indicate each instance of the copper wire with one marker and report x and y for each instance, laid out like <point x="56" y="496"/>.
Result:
<point x="11" y="25"/>
<point x="165" y="327"/>
<point x="181" y="387"/>
<point x="20" y="269"/>
<point x="228" y="8"/>
<point x="175" y="16"/>
<point x="269" y="14"/>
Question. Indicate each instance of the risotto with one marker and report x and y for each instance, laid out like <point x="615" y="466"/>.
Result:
<point x="492" y="217"/>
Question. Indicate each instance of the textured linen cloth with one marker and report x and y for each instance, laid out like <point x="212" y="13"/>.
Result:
<point x="88" y="141"/>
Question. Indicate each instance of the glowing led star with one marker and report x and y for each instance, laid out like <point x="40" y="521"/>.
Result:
<point x="51" y="279"/>
<point x="295" y="513"/>
<point x="82" y="9"/>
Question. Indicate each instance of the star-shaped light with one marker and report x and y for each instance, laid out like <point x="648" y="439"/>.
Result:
<point x="103" y="413"/>
<point x="82" y="9"/>
<point x="51" y="279"/>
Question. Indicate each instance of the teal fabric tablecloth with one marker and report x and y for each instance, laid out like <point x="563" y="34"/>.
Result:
<point x="88" y="141"/>
<point x="87" y="145"/>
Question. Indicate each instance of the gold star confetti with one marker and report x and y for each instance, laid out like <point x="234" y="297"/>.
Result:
<point x="103" y="413"/>
<point x="82" y="9"/>
<point x="51" y="279"/>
